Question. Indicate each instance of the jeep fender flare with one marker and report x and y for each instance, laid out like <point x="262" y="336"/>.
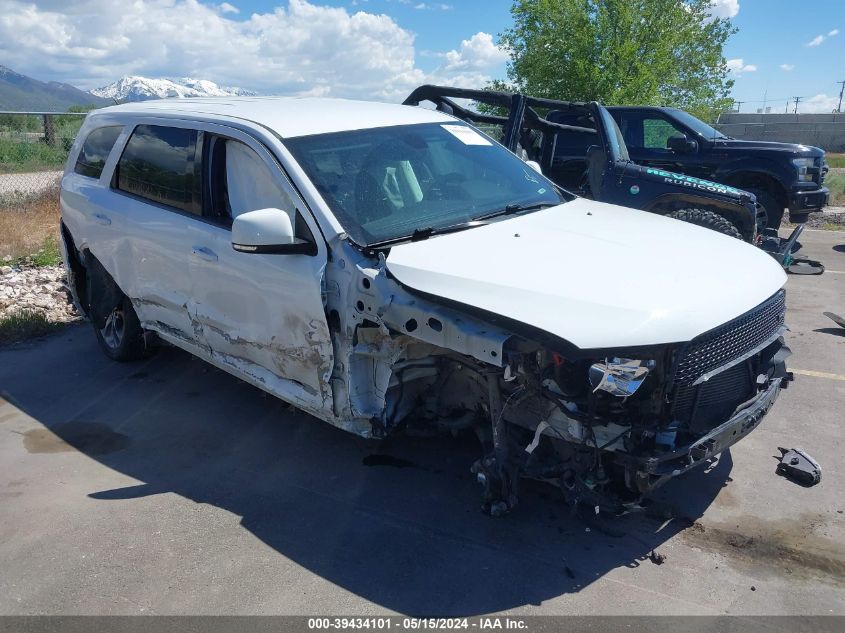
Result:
<point x="735" y="213"/>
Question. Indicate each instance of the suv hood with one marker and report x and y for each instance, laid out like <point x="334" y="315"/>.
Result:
<point x="596" y="275"/>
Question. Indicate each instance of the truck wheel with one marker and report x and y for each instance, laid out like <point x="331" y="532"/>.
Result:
<point x="707" y="219"/>
<point x="119" y="332"/>
<point x="772" y="204"/>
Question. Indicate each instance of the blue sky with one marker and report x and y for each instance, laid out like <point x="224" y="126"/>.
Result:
<point x="776" y="32"/>
<point x="375" y="48"/>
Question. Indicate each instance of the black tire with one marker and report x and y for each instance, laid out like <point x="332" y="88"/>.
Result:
<point x="120" y="336"/>
<point x="772" y="203"/>
<point x="707" y="219"/>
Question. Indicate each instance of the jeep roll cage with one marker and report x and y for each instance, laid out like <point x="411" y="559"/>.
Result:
<point x="522" y="115"/>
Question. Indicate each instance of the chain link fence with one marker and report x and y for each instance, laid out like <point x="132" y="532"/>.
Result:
<point x="33" y="150"/>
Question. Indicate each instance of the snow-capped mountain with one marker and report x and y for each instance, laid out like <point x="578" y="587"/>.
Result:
<point x="135" y="88"/>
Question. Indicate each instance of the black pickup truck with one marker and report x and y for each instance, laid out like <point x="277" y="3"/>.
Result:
<point x="781" y="175"/>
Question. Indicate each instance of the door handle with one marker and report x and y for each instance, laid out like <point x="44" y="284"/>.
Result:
<point x="204" y="253"/>
<point x="99" y="218"/>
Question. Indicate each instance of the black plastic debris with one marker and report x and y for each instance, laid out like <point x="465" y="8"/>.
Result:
<point x="796" y="465"/>
<point x="657" y="558"/>
<point x="783" y="249"/>
<point x="835" y="318"/>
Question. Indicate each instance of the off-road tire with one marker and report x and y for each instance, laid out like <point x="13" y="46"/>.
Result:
<point x="707" y="219"/>
<point x="773" y="205"/>
<point x="120" y="337"/>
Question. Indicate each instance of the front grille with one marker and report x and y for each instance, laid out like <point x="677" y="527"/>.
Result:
<point x="728" y="342"/>
<point x="707" y="405"/>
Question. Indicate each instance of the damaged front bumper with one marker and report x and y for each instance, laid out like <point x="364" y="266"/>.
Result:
<point x="682" y="459"/>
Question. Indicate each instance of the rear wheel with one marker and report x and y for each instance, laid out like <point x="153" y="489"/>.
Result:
<point x="707" y="219"/>
<point x="119" y="332"/>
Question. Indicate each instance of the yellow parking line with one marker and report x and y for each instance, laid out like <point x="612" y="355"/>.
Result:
<point x="817" y="374"/>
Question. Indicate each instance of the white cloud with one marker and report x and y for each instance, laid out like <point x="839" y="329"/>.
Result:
<point x="738" y="66"/>
<point x="818" y="39"/>
<point x="225" y="7"/>
<point x="820" y="103"/>
<point x="434" y="6"/>
<point x="787" y="67"/>
<point x="477" y="53"/>
<point x="301" y="48"/>
<point x="724" y="8"/>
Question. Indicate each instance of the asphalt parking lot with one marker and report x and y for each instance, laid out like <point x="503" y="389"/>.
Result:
<point x="169" y="487"/>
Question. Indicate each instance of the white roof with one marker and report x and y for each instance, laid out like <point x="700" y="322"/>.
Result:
<point x="290" y="116"/>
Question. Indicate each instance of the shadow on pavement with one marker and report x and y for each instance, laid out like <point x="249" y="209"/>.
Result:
<point x="835" y="331"/>
<point x="404" y="532"/>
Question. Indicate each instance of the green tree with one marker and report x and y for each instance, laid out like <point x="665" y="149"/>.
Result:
<point x="662" y="52"/>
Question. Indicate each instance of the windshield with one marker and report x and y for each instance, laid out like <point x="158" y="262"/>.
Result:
<point x="385" y="183"/>
<point x="696" y="125"/>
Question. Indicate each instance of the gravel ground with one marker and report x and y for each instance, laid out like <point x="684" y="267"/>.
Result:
<point x="826" y="219"/>
<point x="37" y="289"/>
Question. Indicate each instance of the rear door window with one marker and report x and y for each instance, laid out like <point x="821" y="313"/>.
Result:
<point x="159" y="164"/>
<point x="631" y="124"/>
<point x="95" y="151"/>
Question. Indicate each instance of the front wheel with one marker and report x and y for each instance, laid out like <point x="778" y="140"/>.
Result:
<point x="773" y="205"/>
<point x="707" y="219"/>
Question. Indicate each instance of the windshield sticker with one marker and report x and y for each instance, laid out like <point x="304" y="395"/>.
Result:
<point x="466" y="135"/>
<point x="695" y="183"/>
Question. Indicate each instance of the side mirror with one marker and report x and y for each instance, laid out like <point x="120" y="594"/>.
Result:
<point x="533" y="164"/>
<point x="680" y="144"/>
<point x="268" y="231"/>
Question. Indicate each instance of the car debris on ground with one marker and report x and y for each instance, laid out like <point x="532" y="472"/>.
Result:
<point x="797" y="465"/>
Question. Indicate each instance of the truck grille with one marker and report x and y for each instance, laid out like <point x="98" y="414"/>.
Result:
<point x="704" y="406"/>
<point x="728" y="342"/>
<point x="701" y="407"/>
<point x="822" y="170"/>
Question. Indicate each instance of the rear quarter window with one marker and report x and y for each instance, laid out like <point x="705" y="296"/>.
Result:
<point x="159" y="164"/>
<point x="95" y="151"/>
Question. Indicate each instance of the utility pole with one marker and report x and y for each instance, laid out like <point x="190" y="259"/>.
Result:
<point x="787" y="108"/>
<point x="797" y="99"/>
<point x="738" y="105"/>
<point x="839" y="107"/>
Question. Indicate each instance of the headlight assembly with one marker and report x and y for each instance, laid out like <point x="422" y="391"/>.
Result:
<point x="619" y="376"/>
<point x="803" y="166"/>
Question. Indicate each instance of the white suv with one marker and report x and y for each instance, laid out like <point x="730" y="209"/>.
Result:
<point x="382" y="265"/>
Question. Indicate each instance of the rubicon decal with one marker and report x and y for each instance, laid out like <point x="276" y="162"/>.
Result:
<point x="695" y="183"/>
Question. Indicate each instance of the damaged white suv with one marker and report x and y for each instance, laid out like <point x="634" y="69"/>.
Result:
<point x="381" y="266"/>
